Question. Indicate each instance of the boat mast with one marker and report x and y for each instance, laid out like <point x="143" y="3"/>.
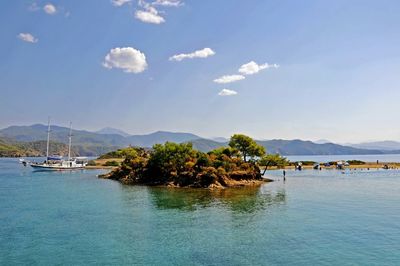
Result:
<point x="48" y="139"/>
<point x="70" y="137"/>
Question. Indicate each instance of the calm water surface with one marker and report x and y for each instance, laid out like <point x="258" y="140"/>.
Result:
<point x="314" y="218"/>
<point x="394" y="158"/>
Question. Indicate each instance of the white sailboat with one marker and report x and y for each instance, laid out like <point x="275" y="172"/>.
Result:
<point x="57" y="162"/>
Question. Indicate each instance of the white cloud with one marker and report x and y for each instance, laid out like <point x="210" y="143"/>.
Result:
<point x="119" y="2"/>
<point x="174" y="3"/>
<point x="149" y="15"/>
<point x="128" y="59"/>
<point x="27" y="37"/>
<point x="253" y="68"/>
<point x="206" y="52"/>
<point x="229" y="78"/>
<point x="50" y="9"/>
<point x="226" y="92"/>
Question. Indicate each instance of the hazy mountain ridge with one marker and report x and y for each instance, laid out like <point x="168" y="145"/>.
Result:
<point x="291" y="147"/>
<point x="302" y="147"/>
<point x="322" y="141"/>
<point x="160" y="137"/>
<point x="386" y="145"/>
<point x="206" y="145"/>
<point x="111" y="130"/>
<point x="92" y="143"/>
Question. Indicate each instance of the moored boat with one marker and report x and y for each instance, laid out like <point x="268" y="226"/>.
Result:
<point x="56" y="162"/>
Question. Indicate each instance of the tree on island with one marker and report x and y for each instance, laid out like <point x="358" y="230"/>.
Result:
<point x="178" y="164"/>
<point x="272" y="160"/>
<point x="170" y="158"/>
<point x="246" y="146"/>
<point x="128" y="152"/>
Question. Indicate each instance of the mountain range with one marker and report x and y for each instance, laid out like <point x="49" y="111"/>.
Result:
<point x="387" y="145"/>
<point x="87" y="143"/>
<point x="110" y="130"/>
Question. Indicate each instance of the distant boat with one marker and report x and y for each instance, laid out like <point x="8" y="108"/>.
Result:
<point x="56" y="162"/>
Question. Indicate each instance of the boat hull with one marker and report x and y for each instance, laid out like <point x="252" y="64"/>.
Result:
<point x="55" y="167"/>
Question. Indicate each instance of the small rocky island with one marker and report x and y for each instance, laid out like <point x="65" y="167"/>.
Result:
<point x="179" y="165"/>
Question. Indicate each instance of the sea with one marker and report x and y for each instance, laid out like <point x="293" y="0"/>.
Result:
<point x="388" y="158"/>
<point x="326" y="217"/>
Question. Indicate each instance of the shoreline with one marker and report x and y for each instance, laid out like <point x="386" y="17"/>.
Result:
<point x="232" y="184"/>
<point x="368" y="165"/>
<point x="371" y="165"/>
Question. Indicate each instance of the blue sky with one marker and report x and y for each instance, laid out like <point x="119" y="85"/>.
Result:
<point x="338" y="76"/>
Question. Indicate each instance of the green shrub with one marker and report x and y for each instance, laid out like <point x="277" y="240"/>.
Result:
<point x="111" y="163"/>
<point x="308" y="162"/>
<point x="355" y="162"/>
<point x="129" y="152"/>
<point x="91" y="163"/>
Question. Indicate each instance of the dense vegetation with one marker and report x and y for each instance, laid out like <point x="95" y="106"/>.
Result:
<point x="129" y="152"/>
<point x="111" y="163"/>
<point x="9" y="150"/>
<point x="180" y="165"/>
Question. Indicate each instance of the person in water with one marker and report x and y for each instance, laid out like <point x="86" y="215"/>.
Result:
<point x="284" y="175"/>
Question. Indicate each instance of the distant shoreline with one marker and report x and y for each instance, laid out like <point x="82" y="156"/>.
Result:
<point x="371" y="165"/>
<point x="367" y="165"/>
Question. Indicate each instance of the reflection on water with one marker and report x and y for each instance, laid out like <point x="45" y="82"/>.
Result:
<point x="241" y="200"/>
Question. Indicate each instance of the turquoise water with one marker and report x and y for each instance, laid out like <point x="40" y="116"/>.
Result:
<point x="314" y="218"/>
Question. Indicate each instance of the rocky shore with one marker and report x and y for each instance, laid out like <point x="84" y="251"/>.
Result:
<point x="197" y="182"/>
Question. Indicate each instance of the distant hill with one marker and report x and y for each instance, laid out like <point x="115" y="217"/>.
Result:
<point x="301" y="147"/>
<point x="87" y="143"/>
<point x="110" y="130"/>
<point x="59" y="134"/>
<point x="206" y="145"/>
<point x="322" y="141"/>
<point x="386" y="145"/>
<point x="220" y="139"/>
<point x="160" y="137"/>
<point x="9" y="150"/>
<point x="35" y="148"/>
<point x="291" y="147"/>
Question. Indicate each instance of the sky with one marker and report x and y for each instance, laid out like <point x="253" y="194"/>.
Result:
<point x="312" y="69"/>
